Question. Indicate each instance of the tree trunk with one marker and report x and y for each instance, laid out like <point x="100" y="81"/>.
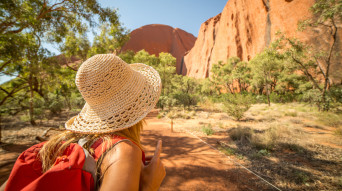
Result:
<point x="240" y="86"/>
<point x="325" y="102"/>
<point x="0" y="128"/>
<point x="31" y="109"/>
<point x="268" y="94"/>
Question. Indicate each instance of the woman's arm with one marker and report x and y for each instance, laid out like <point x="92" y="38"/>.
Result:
<point x="121" y="167"/>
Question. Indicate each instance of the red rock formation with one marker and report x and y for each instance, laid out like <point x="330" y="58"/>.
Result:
<point x="246" y="27"/>
<point x="158" y="38"/>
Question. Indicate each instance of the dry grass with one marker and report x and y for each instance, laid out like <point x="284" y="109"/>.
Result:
<point x="294" y="145"/>
<point x="338" y="131"/>
<point x="330" y="119"/>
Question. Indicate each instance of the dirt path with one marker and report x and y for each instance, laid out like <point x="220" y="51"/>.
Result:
<point x="192" y="165"/>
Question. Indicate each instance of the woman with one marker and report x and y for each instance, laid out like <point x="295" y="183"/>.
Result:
<point x="118" y="96"/>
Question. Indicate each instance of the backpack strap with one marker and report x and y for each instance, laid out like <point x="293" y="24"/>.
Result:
<point x="89" y="163"/>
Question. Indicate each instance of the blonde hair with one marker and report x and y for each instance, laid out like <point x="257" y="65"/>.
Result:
<point x="58" y="143"/>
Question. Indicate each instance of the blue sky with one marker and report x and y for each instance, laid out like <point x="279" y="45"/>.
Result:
<point x="184" y="14"/>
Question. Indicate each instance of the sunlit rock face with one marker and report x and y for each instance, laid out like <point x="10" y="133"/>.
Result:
<point x="157" y="38"/>
<point x="246" y="27"/>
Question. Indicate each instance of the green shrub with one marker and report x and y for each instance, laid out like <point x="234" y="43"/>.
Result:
<point x="312" y="96"/>
<point x="54" y="103"/>
<point x="264" y="152"/>
<point x="335" y="92"/>
<point x="237" y="104"/>
<point x="207" y="129"/>
<point x="77" y="100"/>
<point x="56" y="106"/>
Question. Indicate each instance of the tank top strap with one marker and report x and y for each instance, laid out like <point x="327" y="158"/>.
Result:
<point x="100" y="149"/>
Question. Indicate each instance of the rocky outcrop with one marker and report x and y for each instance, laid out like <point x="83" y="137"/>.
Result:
<point x="246" y="27"/>
<point x="157" y="38"/>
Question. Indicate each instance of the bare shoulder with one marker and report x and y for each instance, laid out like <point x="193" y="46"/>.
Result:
<point x="127" y="148"/>
<point x="125" y="151"/>
<point x="123" y="157"/>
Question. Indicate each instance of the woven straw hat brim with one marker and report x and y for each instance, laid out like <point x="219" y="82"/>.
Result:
<point x="134" y="101"/>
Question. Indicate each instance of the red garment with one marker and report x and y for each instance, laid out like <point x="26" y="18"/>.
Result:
<point x="66" y="174"/>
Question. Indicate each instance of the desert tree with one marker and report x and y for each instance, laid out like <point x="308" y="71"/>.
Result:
<point x="266" y="68"/>
<point x="327" y="14"/>
<point x="221" y="75"/>
<point x="26" y="25"/>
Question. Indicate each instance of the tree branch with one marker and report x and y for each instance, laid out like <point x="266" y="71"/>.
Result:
<point x="3" y="65"/>
<point x="306" y="72"/>
<point x="10" y="94"/>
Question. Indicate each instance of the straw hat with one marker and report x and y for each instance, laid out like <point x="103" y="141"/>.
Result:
<point x="118" y="95"/>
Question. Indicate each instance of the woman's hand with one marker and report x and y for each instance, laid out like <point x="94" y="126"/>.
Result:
<point x="153" y="173"/>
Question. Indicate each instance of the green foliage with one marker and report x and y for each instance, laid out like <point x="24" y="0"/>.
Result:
<point x="167" y="71"/>
<point x="221" y="75"/>
<point x="208" y="130"/>
<point x="264" y="152"/>
<point x="266" y="68"/>
<point x="326" y="10"/>
<point x="110" y="40"/>
<point x="237" y="104"/>
<point x="185" y="91"/>
<point x="75" y="45"/>
<point x="242" y="74"/>
<point x="335" y="93"/>
<point x="206" y="87"/>
<point x="144" y="57"/>
<point x="24" y="25"/>
<point x="127" y="56"/>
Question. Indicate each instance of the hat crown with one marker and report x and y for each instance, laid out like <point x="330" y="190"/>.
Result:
<point x="101" y="77"/>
